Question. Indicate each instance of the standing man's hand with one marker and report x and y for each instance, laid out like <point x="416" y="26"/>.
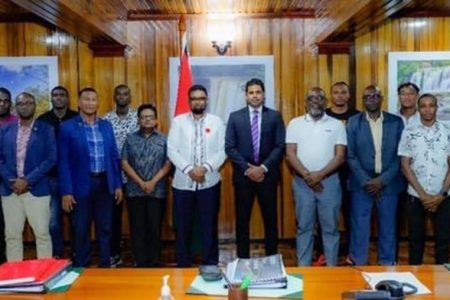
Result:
<point x="374" y="187"/>
<point x="118" y="195"/>
<point x="255" y="173"/>
<point x="68" y="201"/>
<point x="313" y="178"/>
<point x="197" y="174"/>
<point x="20" y="186"/>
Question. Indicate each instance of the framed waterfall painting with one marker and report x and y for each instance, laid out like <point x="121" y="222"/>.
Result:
<point x="430" y="71"/>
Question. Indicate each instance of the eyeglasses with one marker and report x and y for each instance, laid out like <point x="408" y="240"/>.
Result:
<point x="5" y="101"/>
<point x="25" y="103"/>
<point x="371" y="96"/>
<point x="59" y="94"/>
<point x="147" y="117"/>
<point x="197" y="99"/>
<point x="315" y="98"/>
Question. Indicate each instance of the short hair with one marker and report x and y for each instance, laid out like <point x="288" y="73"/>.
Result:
<point x="121" y="86"/>
<point x="27" y="95"/>
<point x="144" y="107"/>
<point x="340" y="83"/>
<point x="427" y="95"/>
<point x="408" y="84"/>
<point x="197" y="87"/>
<point x="254" y="81"/>
<point x="59" y="87"/>
<point x="6" y="91"/>
<point x="86" y="89"/>
<point x="373" y="87"/>
<point x="316" y="89"/>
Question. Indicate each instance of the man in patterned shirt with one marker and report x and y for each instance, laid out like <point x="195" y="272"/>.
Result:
<point x="144" y="161"/>
<point x="425" y="157"/>
<point x="124" y="121"/>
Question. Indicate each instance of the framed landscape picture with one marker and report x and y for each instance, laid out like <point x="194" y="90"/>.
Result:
<point x="429" y="70"/>
<point x="36" y="75"/>
<point x="224" y="78"/>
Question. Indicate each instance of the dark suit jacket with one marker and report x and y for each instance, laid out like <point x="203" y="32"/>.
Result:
<point x="239" y="148"/>
<point x="361" y="153"/>
<point x="40" y="157"/>
<point x="74" y="167"/>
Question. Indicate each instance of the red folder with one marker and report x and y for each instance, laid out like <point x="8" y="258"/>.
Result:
<point x="37" y="273"/>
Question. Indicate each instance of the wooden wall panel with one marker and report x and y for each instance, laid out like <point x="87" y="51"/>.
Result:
<point x="396" y="35"/>
<point x="145" y="70"/>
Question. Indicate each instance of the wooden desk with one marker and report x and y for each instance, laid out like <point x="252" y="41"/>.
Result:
<point x="319" y="283"/>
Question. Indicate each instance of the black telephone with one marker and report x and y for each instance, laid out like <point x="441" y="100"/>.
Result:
<point x="385" y="290"/>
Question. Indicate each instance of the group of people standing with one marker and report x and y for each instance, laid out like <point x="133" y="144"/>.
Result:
<point x="86" y="165"/>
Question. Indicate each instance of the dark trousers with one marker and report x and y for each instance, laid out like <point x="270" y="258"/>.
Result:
<point x="145" y="215"/>
<point x="97" y="206"/>
<point x="56" y="219"/>
<point x="206" y="203"/>
<point x="116" y="234"/>
<point x="416" y="220"/>
<point x="2" y="235"/>
<point x="267" y="199"/>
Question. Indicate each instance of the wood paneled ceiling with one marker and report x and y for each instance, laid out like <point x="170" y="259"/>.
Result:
<point x="103" y="22"/>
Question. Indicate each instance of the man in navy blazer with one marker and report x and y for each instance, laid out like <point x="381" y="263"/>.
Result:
<point x="27" y="153"/>
<point x="254" y="141"/>
<point x="375" y="179"/>
<point x="89" y="177"/>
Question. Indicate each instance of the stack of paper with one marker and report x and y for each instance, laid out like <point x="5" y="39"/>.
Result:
<point x="32" y="276"/>
<point x="264" y="272"/>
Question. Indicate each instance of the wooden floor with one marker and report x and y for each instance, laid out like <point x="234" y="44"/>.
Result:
<point x="228" y="253"/>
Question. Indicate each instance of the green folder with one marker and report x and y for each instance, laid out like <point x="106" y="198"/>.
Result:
<point x="65" y="288"/>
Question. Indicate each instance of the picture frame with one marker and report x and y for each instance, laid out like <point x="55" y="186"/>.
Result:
<point x="36" y="75"/>
<point x="430" y="71"/>
<point x="224" y="78"/>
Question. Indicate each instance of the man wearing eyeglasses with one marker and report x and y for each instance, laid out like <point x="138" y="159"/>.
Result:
<point x="60" y="112"/>
<point x="195" y="146"/>
<point x="375" y="178"/>
<point x="27" y="154"/>
<point x="6" y="117"/>
<point x="315" y="148"/>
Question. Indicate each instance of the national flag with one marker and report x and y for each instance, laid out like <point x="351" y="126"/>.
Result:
<point x="185" y="80"/>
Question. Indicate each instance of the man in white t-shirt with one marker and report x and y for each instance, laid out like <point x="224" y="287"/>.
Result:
<point x="315" y="148"/>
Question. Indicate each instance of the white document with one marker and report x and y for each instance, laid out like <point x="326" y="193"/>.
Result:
<point x="373" y="278"/>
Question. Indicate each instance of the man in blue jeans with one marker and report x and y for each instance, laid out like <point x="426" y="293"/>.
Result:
<point x="375" y="178"/>
<point x="315" y="148"/>
<point x="60" y="112"/>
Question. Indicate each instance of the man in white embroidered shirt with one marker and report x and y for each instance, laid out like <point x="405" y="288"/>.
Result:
<point x="425" y="157"/>
<point x="195" y="146"/>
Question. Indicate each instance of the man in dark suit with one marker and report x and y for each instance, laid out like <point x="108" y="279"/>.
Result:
<point x="89" y="176"/>
<point x="375" y="177"/>
<point x="254" y="142"/>
<point x="27" y="153"/>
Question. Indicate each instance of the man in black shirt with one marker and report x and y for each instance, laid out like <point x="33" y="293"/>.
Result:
<point x="60" y="112"/>
<point x="340" y="109"/>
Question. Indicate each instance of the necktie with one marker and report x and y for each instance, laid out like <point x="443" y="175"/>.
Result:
<point x="255" y="136"/>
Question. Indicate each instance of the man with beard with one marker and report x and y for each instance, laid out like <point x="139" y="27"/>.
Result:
<point x="60" y="112"/>
<point x="425" y="159"/>
<point x="255" y="144"/>
<point x="196" y="147"/>
<point x="375" y="177"/>
<point x="6" y="117"/>
<point x="124" y="121"/>
<point x="315" y="148"/>
<point x="27" y="153"/>
<point x="89" y="178"/>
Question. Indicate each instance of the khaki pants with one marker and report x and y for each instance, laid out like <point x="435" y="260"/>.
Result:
<point x="18" y="208"/>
